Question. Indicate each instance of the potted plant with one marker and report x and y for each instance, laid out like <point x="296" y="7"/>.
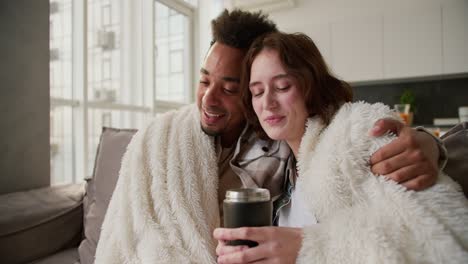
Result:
<point x="407" y="97"/>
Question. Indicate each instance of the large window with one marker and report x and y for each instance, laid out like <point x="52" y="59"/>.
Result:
<point x="101" y="74"/>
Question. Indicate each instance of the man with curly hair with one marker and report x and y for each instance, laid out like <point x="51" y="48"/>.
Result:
<point x="168" y="199"/>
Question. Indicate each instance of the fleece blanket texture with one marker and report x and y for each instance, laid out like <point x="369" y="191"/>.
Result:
<point x="164" y="208"/>
<point x="367" y="219"/>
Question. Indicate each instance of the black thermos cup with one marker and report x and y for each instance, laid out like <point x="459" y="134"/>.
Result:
<point x="247" y="207"/>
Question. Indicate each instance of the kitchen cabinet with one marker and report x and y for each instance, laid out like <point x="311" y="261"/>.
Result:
<point x="455" y="37"/>
<point x="412" y="42"/>
<point x="398" y="41"/>
<point x="357" y="49"/>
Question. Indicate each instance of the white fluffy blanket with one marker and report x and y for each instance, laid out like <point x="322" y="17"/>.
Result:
<point x="367" y="219"/>
<point x="164" y="208"/>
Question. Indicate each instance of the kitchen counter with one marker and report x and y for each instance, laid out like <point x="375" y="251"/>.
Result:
<point x="437" y="130"/>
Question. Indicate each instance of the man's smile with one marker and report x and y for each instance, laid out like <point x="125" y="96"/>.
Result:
<point x="212" y="117"/>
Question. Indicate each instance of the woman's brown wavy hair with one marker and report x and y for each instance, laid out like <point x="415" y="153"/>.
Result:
<point x="323" y="93"/>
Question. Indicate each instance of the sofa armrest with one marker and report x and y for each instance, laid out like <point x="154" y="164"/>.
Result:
<point x="40" y="222"/>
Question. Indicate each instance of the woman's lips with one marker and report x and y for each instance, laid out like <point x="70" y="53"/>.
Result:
<point x="274" y="119"/>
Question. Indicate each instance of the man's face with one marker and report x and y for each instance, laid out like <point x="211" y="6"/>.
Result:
<point x="218" y="95"/>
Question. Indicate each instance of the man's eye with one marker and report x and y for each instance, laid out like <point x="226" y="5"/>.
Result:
<point x="283" y="87"/>
<point x="231" y="91"/>
<point x="205" y="83"/>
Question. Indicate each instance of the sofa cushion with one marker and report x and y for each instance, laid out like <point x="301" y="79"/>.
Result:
<point x="112" y="146"/>
<point x="40" y="222"/>
<point x="68" y="256"/>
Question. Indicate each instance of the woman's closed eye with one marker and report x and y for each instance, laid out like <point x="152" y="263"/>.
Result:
<point x="257" y="93"/>
<point x="284" y="87"/>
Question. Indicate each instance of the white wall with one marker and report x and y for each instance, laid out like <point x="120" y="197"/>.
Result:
<point x="373" y="40"/>
<point x="24" y="95"/>
<point x="384" y="39"/>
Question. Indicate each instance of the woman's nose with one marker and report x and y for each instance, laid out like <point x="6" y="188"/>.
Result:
<point x="269" y="101"/>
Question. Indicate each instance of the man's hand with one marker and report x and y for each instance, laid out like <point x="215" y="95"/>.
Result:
<point x="275" y="244"/>
<point x="411" y="159"/>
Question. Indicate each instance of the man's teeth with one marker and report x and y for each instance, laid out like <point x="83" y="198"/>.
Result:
<point x="212" y="115"/>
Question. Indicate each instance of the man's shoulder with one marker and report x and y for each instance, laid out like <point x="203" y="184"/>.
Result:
<point x="186" y="110"/>
<point x="185" y="113"/>
<point x="162" y="125"/>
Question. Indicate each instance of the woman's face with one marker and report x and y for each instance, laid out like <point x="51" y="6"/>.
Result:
<point x="276" y="98"/>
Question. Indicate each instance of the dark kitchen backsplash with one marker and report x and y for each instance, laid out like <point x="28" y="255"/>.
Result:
<point x="433" y="98"/>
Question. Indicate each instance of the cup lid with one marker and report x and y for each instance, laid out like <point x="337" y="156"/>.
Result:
<point x="247" y="195"/>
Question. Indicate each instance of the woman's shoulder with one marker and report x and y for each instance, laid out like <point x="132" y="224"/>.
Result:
<point x="352" y="123"/>
<point x="340" y="152"/>
<point x="364" y="111"/>
<point x="361" y="115"/>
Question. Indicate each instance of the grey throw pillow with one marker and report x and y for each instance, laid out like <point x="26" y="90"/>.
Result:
<point x="112" y="146"/>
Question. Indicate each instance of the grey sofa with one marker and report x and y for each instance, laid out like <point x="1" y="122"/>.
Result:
<point x="61" y="225"/>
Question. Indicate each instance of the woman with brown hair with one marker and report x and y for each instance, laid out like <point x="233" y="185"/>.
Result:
<point x="337" y="211"/>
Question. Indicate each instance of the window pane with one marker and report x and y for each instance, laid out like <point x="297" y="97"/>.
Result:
<point x="176" y="59"/>
<point x="162" y="17"/>
<point x="97" y="118"/>
<point x="176" y="24"/>
<point x="61" y="145"/>
<point x="172" y="54"/>
<point x="104" y="51"/>
<point x="163" y="59"/>
<point x="60" y="23"/>
<point x="60" y="71"/>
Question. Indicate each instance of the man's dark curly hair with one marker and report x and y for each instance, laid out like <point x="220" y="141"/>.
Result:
<point x="239" y="28"/>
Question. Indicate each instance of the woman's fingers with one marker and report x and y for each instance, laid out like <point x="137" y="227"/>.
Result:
<point x="276" y="244"/>
<point x="258" y="234"/>
<point x="223" y="248"/>
<point x="250" y="255"/>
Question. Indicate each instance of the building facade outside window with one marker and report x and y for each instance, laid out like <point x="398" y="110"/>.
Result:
<point x="172" y="52"/>
<point x="110" y="67"/>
